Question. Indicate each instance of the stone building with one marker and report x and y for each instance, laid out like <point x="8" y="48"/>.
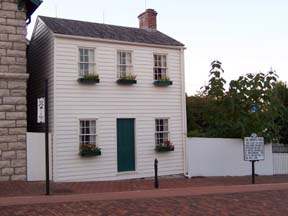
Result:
<point x="14" y="16"/>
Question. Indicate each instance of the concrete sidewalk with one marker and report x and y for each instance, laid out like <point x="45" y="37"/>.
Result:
<point x="160" y="193"/>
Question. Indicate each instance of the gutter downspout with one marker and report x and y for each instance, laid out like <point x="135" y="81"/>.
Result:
<point x="184" y="119"/>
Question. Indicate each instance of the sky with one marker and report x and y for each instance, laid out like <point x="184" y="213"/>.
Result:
<point x="247" y="36"/>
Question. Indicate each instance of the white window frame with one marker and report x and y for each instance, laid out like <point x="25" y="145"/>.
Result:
<point x="91" y="61"/>
<point x="128" y="66"/>
<point x="160" y="67"/>
<point x="166" y="133"/>
<point x="81" y="134"/>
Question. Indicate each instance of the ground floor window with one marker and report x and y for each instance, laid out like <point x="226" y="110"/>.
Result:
<point x="161" y="131"/>
<point x="87" y="134"/>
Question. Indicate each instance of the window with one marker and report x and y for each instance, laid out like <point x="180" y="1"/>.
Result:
<point x="87" y="134"/>
<point x="124" y="63"/>
<point x="86" y="61"/>
<point x="160" y="67"/>
<point x="161" y="131"/>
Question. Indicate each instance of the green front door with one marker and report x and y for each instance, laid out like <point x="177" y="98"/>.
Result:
<point x="125" y="145"/>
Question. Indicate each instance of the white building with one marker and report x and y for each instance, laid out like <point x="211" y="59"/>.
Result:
<point x="135" y="103"/>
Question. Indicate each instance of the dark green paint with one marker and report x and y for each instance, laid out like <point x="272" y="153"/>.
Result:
<point x="125" y="145"/>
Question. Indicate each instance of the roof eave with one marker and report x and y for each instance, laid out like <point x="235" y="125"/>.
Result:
<point x="117" y="41"/>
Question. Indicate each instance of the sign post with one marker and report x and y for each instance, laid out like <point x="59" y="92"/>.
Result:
<point x="42" y="117"/>
<point x="253" y="171"/>
<point x="253" y="151"/>
<point x="47" y="139"/>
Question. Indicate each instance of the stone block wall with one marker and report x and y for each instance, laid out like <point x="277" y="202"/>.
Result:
<point x="13" y="83"/>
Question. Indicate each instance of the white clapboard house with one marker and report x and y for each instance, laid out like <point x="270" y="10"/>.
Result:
<point x="116" y="98"/>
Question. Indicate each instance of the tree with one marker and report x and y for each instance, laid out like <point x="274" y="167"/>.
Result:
<point x="255" y="90"/>
<point x="197" y="115"/>
<point x="281" y="93"/>
<point x="229" y="113"/>
<point x="215" y="88"/>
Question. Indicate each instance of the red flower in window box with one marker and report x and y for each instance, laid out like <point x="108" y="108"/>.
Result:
<point x="89" y="150"/>
<point x="165" y="146"/>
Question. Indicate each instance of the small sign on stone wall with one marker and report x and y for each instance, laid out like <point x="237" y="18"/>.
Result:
<point x="41" y="110"/>
<point x="253" y="148"/>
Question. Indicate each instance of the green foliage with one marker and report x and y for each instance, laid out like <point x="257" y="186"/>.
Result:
<point x="215" y="87"/>
<point x="197" y="115"/>
<point x="129" y="76"/>
<point x="196" y="133"/>
<point x="91" y="76"/>
<point x="164" y="78"/>
<point x="281" y="92"/>
<point x="227" y="114"/>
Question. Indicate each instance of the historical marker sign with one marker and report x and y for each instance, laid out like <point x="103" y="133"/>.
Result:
<point x="41" y="110"/>
<point x="253" y="148"/>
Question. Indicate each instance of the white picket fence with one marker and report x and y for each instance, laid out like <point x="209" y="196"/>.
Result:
<point x="280" y="163"/>
<point x="280" y="159"/>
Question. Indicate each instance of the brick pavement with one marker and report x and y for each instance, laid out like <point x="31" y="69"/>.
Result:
<point x="155" y="193"/>
<point x="38" y="188"/>
<point x="264" y="203"/>
<point x="196" y="196"/>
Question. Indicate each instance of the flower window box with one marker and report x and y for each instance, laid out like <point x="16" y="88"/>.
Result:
<point x="89" y="79"/>
<point x="87" y="150"/>
<point x="164" y="147"/>
<point x="127" y="79"/>
<point x="165" y="81"/>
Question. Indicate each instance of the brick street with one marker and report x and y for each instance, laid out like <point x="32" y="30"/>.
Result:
<point x="227" y="196"/>
<point x="251" y="203"/>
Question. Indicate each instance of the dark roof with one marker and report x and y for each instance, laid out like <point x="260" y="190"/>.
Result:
<point x="110" y="32"/>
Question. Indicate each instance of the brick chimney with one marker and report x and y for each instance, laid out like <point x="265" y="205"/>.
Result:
<point x="147" y="19"/>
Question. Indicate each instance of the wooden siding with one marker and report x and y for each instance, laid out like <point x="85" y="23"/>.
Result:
<point x="40" y="67"/>
<point x="106" y="101"/>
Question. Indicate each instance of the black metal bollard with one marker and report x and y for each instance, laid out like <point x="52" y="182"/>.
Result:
<point x="156" y="182"/>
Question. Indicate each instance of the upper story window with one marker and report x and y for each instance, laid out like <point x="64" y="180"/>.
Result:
<point x="160" y="66"/>
<point x="124" y="63"/>
<point x="86" y="61"/>
<point x="161" y="131"/>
